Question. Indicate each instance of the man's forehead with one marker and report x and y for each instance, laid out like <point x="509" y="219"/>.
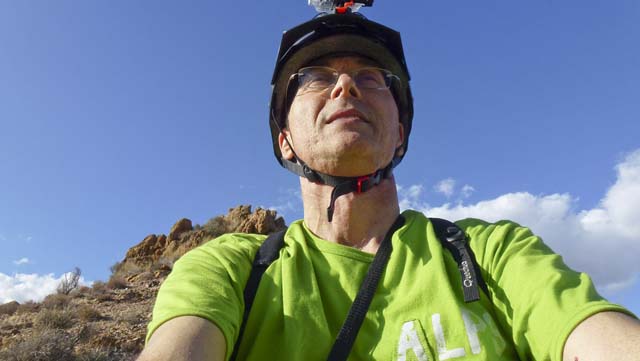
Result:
<point x="343" y="61"/>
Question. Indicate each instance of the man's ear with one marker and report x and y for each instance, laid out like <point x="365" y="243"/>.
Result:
<point x="399" y="147"/>
<point x="285" y="146"/>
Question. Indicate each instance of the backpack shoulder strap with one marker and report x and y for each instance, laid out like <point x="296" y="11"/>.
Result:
<point x="268" y="252"/>
<point x="455" y="240"/>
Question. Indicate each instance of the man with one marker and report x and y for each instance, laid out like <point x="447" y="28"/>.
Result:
<point x="341" y="117"/>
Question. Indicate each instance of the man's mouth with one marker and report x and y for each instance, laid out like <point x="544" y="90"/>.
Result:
<point x="347" y="114"/>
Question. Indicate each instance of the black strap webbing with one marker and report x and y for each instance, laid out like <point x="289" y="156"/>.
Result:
<point x="454" y="239"/>
<point x="267" y="253"/>
<point x="347" y="335"/>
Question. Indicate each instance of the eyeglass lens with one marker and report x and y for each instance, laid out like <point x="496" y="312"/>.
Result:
<point x="319" y="78"/>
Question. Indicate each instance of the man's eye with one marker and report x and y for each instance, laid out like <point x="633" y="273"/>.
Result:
<point x="319" y="80"/>
<point x="370" y="79"/>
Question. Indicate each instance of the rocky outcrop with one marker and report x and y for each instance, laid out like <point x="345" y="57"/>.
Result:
<point x="148" y="251"/>
<point x="159" y="249"/>
<point x="262" y="221"/>
<point x="183" y="225"/>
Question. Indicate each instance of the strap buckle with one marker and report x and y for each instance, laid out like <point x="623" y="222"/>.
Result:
<point x="360" y="182"/>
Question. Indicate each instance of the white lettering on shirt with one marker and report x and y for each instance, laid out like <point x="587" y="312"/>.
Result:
<point x="472" y="331"/>
<point x="441" y="343"/>
<point x="498" y="341"/>
<point x="409" y="340"/>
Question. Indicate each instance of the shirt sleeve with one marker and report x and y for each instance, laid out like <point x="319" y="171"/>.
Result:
<point x="208" y="282"/>
<point x="537" y="298"/>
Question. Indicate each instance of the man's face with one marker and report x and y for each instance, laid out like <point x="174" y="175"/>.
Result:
<point x="344" y="130"/>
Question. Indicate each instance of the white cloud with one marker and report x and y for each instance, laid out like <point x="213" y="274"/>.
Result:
<point x="24" y="287"/>
<point x="466" y="191"/>
<point x="446" y="187"/>
<point x="25" y="238"/>
<point x="603" y="241"/>
<point x="289" y="203"/>
<point x="21" y="261"/>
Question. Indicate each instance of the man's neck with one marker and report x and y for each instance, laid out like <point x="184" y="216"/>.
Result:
<point x="360" y="220"/>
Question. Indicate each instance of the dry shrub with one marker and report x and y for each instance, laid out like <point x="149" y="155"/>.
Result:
<point x="28" y="307"/>
<point x="104" y="297"/>
<point x="117" y="283"/>
<point x="133" y="346"/>
<point x="126" y="269"/>
<point x="56" y="301"/>
<point x="46" y="345"/>
<point x="146" y="276"/>
<point x="87" y="313"/>
<point x="164" y="264"/>
<point x="81" y="291"/>
<point x="87" y="331"/>
<point x="9" y="308"/>
<point x="93" y="355"/>
<point x="69" y="281"/>
<point x="115" y="268"/>
<point x="215" y="227"/>
<point x="131" y="317"/>
<point x="106" y="341"/>
<point x="98" y="288"/>
<point x="54" y="319"/>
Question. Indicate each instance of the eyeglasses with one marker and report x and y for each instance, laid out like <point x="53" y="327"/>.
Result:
<point x="320" y="78"/>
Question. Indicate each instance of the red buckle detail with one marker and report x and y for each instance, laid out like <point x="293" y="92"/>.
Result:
<point x="343" y="9"/>
<point x="360" y="180"/>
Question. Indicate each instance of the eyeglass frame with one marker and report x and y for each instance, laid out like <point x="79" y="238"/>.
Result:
<point x="386" y="74"/>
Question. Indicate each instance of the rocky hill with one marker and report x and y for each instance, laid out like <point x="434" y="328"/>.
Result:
<point x="107" y="322"/>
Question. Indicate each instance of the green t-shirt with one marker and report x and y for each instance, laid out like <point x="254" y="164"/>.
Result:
<point x="417" y="313"/>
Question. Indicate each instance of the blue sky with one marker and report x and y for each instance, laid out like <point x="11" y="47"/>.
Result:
<point x="119" y="118"/>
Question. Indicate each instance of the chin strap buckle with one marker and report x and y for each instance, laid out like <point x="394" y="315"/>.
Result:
<point x="360" y="182"/>
<point x="367" y="182"/>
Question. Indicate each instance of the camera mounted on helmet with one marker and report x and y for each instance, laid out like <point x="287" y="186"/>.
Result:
<point x="339" y="7"/>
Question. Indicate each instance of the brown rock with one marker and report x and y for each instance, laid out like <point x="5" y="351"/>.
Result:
<point x="182" y="237"/>
<point x="179" y="228"/>
<point x="147" y="251"/>
<point x="263" y="221"/>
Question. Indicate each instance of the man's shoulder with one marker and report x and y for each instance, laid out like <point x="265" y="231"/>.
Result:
<point x="229" y="245"/>
<point x="467" y="224"/>
<point x="477" y="230"/>
<point x="479" y="226"/>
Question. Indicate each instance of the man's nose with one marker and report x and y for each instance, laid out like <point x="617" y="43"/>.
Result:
<point x="346" y="87"/>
